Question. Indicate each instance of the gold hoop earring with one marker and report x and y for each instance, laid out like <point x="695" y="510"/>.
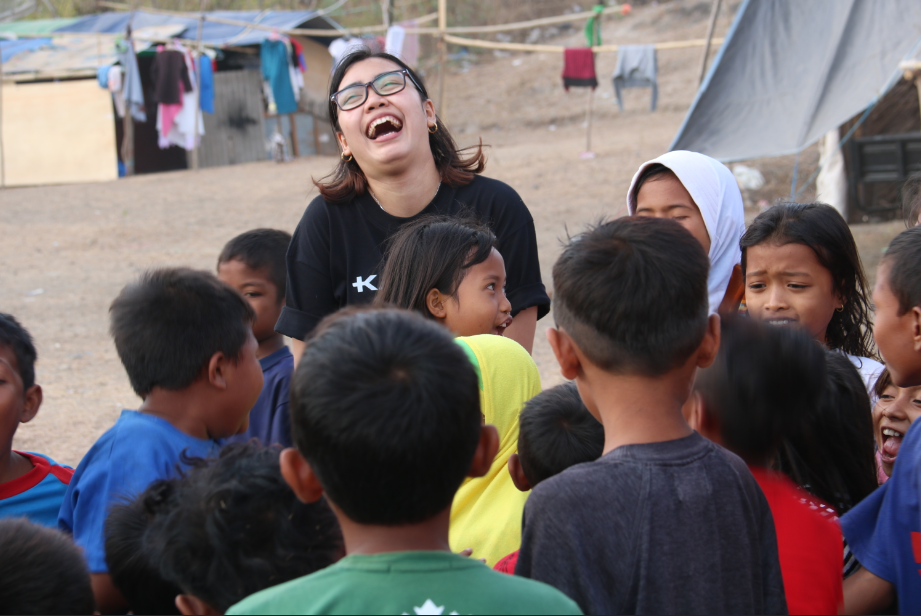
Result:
<point x="344" y="159"/>
<point x="433" y="128"/>
<point x="839" y="309"/>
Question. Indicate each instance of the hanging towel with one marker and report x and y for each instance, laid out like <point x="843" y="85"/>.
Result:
<point x="275" y="62"/>
<point x="166" y="71"/>
<point x="133" y="90"/>
<point x="114" y="83"/>
<point x="636" y="68"/>
<point x="717" y="196"/>
<point x="207" y="84"/>
<point x="102" y="76"/>
<point x="579" y="68"/>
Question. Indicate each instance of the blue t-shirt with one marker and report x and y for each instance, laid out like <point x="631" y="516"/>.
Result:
<point x="884" y="529"/>
<point x="37" y="495"/>
<point x="132" y="454"/>
<point x="269" y="420"/>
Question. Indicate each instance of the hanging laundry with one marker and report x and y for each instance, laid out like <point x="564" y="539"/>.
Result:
<point x="167" y="70"/>
<point x="636" y="68"/>
<point x="133" y="90"/>
<point x="114" y="83"/>
<point x="207" y="83"/>
<point x="341" y="47"/>
<point x="185" y="127"/>
<point x="579" y="68"/>
<point x="275" y="61"/>
<point x="102" y="76"/>
<point x="298" y="55"/>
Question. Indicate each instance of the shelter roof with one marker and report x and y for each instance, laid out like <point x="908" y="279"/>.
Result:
<point x="37" y="26"/>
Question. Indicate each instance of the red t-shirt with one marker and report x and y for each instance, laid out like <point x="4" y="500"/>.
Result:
<point x="809" y="545"/>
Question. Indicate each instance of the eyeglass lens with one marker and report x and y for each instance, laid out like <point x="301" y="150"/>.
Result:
<point x="385" y="85"/>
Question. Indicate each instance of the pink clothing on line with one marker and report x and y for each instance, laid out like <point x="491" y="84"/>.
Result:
<point x="168" y="113"/>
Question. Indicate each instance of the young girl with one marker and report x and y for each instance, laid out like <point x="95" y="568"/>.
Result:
<point x="701" y="194"/>
<point x="802" y="268"/>
<point x="894" y="412"/>
<point x="448" y="270"/>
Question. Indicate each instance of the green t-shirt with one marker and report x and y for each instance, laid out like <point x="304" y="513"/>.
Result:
<point x="408" y="583"/>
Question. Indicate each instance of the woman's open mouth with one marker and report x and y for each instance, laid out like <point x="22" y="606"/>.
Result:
<point x="892" y="441"/>
<point x="385" y="125"/>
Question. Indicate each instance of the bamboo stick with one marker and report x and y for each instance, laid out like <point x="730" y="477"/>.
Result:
<point x="469" y="42"/>
<point x="714" y="12"/>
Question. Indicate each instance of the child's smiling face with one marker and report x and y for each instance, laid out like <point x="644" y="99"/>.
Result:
<point x="893" y="414"/>
<point x="480" y="305"/>
<point x="788" y="285"/>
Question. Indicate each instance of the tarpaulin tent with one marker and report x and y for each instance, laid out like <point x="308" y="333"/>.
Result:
<point x="789" y="71"/>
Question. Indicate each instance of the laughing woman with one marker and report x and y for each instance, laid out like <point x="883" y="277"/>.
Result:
<point x="398" y="163"/>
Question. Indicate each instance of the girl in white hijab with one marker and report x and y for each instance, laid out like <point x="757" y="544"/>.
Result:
<point x="701" y="194"/>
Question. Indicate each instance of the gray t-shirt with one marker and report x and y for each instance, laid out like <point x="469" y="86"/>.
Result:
<point x="678" y="527"/>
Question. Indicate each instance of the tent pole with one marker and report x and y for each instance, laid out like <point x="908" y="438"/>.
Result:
<point x="795" y="174"/>
<point x="588" y="122"/>
<point x="714" y="11"/>
<point x="197" y="64"/>
<point x="128" y="120"/>
<point x="442" y="56"/>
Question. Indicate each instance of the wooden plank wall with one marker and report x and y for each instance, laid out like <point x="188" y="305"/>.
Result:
<point x="235" y="132"/>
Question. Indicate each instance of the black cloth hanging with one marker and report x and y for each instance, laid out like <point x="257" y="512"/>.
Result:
<point x="167" y="69"/>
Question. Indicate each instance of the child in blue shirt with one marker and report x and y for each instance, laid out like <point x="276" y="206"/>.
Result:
<point x="253" y="263"/>
<point x="31" y="485"/>
<point x="187" y="344"/>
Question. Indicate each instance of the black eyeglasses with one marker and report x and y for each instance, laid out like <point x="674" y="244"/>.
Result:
<point x="384" y="84"/>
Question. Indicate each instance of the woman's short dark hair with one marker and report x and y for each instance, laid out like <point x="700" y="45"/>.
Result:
<point x="433" y="252"/>
<point x="822" y="228"/>
<point x="348" y="181"/>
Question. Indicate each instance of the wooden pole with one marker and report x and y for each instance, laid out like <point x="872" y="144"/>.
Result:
<point x="197" y="63"/>
<point x="588" y="122"/>
<point x="295" y="150"/>
<point x="128" y="120"/>
<point x="316" y="133"/>
<point x="442" y="56"/>
<point x="714" y="12"/>
<point x="387" y="10"/>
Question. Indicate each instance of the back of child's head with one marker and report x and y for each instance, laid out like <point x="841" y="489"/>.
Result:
<point x="169" y="323"/>
<point x="764" y="380"/>
<point x="14" y="337"/>
<point x="433" y="252"/>
<point x="557" y="431"/>
<point x="832" y="454"/>
<point x="911" y="200"/>
<point x="41" y="571"/>
<point x="261" y="249"/>
<point x="902" y="260"/>
<point x="133" y="566"/>
<point x="821" y="228"/>
<point x="235" y="528"/>
<point x="632" y="294"/>
<point x="385" y="407"/>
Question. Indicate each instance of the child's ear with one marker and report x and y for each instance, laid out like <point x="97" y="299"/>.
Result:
<point x="916" y="328"/>
<point x="33" y="400"/>
<point x="485" y="451"/>
<point x="710" y="345"/>
<point x="299" y="476"/>
<point x="189" y="604"/>
<point x="518" y="478"/>
<point x="565" y="351"/>
<point x="435" y="302"/>
<point x="217" y="370"/>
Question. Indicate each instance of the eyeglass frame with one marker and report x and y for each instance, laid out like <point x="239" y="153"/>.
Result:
<point x="402" y="71"/>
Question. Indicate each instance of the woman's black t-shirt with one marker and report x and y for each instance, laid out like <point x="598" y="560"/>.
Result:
<point x="336" y="253"/>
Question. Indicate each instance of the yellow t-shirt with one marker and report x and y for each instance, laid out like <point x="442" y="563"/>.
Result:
<point x="486" y="514"/>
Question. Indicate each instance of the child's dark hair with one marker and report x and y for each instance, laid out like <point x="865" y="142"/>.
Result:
<point x="822" y="228"/>
<point x="134" y="568"/>
<point x="832" y="455"/>
<point x="883" y="381"/>
<point x="15" y="337"/>
<point x="41" y="571"/>
<point x="556" y="431"/>
<point x="386" y="408"/>
<point x="911" y="199"/>
<point x="763" y="382"/>
<point x="903" y="257"/>
<point x="235" y="527"/>
<point x="169" y="323"/>
<point x="348" y="181"/>
<point x="632" y="294"/>
<point x="650" y="173"/>
<point x="433" y="252"/>
<point x="261" y="249"/>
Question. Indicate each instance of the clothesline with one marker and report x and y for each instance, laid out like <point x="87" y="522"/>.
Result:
<point x="469" y="42"/>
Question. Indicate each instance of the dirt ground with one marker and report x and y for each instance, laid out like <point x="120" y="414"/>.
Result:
<point x="68" y="250"/>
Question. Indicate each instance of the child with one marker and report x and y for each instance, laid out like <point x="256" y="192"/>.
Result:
<point x="665" y="521"/>
<point x="896" y="410"/>
<point x="764" y="381"/>
<point x="557" y="432"/>
<point x="187" y="344"/>
<point x="911" y="200"/>
<point x="701" y="194"/>
<point x="802" y="268"/>
<point x="253" y="263"/>
<point x="884" y="531"/>
<point x="31" y="485"/>
<point x="450" y="271"/>
<point x="230" y="527"/>
<point x="386" y="417"/>
<point x="41" y="571"/>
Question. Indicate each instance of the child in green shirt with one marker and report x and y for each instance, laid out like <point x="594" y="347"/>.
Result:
<point x="385" y="413"/>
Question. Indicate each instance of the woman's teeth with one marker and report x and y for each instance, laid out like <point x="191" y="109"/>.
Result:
<point x="780" y="322"/>
<point x="372" y="128"/>
<point x="891" y="432"/>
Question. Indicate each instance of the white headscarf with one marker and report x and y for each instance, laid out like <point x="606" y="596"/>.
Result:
<point x="714" y="190"/>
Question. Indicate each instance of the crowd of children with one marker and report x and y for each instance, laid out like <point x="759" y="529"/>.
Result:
<point x="703" y="459"/>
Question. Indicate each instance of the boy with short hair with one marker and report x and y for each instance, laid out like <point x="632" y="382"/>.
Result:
<point x="385" y="409"/>
<point x="665" y="521"/>
<point x="884" y="530"/>
<point x="187" y="344"/>
<point x="253" y="263"/>
<point x="31" y="485"/>
<point x="556" y="432"/>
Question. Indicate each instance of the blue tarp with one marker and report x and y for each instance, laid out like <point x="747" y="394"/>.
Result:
<point x="212" y="33"/>
<point x="8" y="49"/>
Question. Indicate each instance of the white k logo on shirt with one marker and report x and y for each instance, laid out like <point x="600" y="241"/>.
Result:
<point x="361" y="284"/>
